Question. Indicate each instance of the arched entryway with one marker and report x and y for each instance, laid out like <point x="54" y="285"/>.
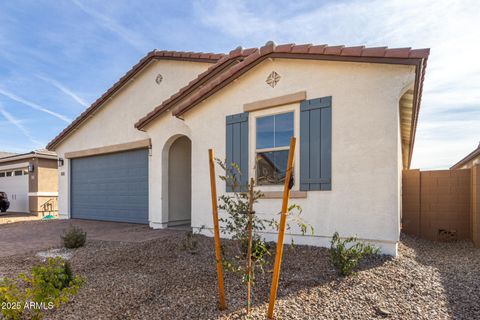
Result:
<point x="179" y="182"/>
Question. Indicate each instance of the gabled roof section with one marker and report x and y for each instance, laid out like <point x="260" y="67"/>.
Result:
<point x="226" y="62"/>
<point x="153" y="55"/>
<point x="472" y="155"/>
<point x="4" y="154"/>
<point x="181" y="103"/>
<point x="40" y="153"/>
<point x="44" y="152"/>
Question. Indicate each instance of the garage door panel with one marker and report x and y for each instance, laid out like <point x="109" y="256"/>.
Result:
<point x="111" y="187"/>
<point x="16" y="188"/>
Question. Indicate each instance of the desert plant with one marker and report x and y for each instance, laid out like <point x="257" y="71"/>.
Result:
<point x="345" y="254"/>
<point x="74" y="237"/>
<point x="29" y="296"/>
<point x="189" y="243"/>
<point x="240" y="220"/>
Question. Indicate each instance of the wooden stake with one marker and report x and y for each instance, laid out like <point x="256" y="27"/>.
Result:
<point x="281" y="231"/>
<point x="249" y="250"/>
<point x="216" y="228"/>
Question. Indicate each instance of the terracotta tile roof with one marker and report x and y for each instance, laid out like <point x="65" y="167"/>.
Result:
<point x="184" y="102"/>
<point x="472" y="155"/>
<point x="253" y="54"/>
<point x="308" y="51"/>
<point x="223" y="64"/>
<point x="153" y="55"/>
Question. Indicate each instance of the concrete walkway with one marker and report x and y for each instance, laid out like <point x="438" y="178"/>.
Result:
<point x="11" y="217"/>
<point x="27" y="236"/>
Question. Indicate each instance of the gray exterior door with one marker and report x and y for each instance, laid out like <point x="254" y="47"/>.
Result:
<point x="110" y="187"/>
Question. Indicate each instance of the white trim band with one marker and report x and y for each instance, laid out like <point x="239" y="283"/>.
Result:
<point x="43" y="194"/>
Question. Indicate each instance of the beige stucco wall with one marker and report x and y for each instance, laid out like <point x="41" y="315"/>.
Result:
<point x="43" y="183"/>
<point x="47" y="175"/>
<point x="114" y="122"/>
<point x="366" y="164"/>
<point x="36" y="205"/>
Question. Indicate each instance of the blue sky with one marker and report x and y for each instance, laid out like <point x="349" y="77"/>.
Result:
<point x="58" y="56"/>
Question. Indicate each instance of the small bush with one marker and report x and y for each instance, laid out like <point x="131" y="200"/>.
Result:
<point x="29" y="296"/>
<point x="347" y="253"/>
<point x="74" y="237"/>
<point x="190" y="243"/>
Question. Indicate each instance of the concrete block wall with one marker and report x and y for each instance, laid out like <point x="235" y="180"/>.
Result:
<point x="411" y="202"/>
<point x="475" y="206"/>
<point x="436" y="204"/>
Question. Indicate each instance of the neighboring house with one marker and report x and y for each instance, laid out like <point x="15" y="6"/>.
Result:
<point x="472" y="159"/>
<point x="354" y="110"/>
<point x="30" y="181"/>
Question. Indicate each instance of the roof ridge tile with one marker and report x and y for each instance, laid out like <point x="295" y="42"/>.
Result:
<point x="285" y="48"/>
<point x="318" y="49"/>
<point x="301" y="48"/>
<point x="333" y="50"/>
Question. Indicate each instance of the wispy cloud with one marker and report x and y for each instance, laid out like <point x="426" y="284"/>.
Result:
<point x="18" y="124"/>
<point x="33" y="105"/>
<point x="64" y="89"/>
<point x="134" y="39"/>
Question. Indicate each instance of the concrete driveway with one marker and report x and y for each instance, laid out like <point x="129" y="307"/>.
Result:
<point x="32" y="236"/>
<point x="11" y="217"/>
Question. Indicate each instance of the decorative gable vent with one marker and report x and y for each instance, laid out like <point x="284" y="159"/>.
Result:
<point x="159" y="78"/>
<point x="272" y="79"/>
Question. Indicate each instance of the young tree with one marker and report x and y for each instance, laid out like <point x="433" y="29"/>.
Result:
<point x="249" y="252"/>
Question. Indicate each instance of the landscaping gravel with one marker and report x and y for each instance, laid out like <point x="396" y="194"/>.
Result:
<point x="158" y="279"/>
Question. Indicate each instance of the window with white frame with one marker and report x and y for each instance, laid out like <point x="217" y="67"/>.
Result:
<point x="272" y="147"/>
<point x="9" y="173"/>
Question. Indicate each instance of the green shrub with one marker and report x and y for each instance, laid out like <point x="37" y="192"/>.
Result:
<point x="347" y="253"/>
<point x="29" y="296"/>
<point x="74" y="237"/>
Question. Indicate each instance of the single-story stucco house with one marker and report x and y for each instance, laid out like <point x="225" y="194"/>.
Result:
<point x="30" y="181"/>
<point x="139" y="153"/>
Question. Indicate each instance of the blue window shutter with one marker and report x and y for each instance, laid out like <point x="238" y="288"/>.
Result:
<point x="237" y="147"/>
<point x="316" y="144"/>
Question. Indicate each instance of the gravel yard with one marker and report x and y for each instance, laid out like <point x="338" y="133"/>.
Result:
<point x="157" y="279"/>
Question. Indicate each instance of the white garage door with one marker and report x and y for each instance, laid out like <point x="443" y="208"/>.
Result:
<point x="15" y="184"/>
